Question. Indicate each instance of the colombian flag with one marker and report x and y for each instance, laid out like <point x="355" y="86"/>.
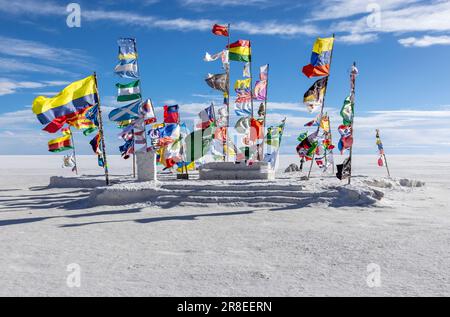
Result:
<point x="320" y="59"/>
<point x="240" y="51"/>
<point x="71" y="101"/>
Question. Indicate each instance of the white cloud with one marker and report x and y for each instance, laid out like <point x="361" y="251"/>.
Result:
<point x="425" y="41"/>
<point x="225" y="3"/>
<point x="23" y="48"/>
<point x="8" y="87"/>
<point x="357" y="38"/>
<point x="14" y="65"/>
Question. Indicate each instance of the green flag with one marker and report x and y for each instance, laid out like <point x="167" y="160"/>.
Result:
<point x="198" y="143"/>
<point x="128" y="92"/>
<point x="348" y="111"/>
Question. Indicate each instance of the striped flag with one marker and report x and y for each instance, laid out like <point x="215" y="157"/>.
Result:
<point x="129" y="92"/>
<point x="61" y="144"/>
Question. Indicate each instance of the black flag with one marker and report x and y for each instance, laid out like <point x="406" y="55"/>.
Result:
<point x="344" y="170"/>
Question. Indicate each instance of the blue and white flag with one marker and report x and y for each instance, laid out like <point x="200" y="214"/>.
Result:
<point x="127" y="49"/>
<point x="130" y="112"/>
<point x="127" y="69"/>
<point x="243" y="109"/>
<point x="92" y="115"/>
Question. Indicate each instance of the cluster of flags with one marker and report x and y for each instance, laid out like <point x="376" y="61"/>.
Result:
<point x="75" y="106"/>
<point x="133" y="117"/>
<point x="318" y="146"/>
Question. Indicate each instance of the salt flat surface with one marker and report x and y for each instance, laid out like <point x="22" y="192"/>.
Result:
<point x="193" y="250"/>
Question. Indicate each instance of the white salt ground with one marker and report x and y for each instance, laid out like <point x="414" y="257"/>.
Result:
<point x="307" y="238"/>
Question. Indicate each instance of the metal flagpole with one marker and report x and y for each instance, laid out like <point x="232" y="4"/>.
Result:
<point x="101" y="131"/>
<point x="352" y="97"/>
<point x="74" y="153"/>
<point x="251" y="102"/>
<point x="322" y="109"/>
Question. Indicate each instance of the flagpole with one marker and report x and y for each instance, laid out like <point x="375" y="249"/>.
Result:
<point x="331" y="141"/>
<point x="101" y="131"/>
<point x="352" y="97"/>
<point x="322" y="109"/>
<point x="384" y="155"/>
<point x="228" y="70"/>
<point x="265" y="110"/>
<point x="251" y="102"/>
<point x="74" y="152"/>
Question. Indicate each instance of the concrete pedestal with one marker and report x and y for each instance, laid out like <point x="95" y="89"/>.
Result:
<point x="146" y="166"/>
<point x="232" y="171"/>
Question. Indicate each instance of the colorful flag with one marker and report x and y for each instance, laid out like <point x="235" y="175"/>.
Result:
<point x="346" y="141"/>
<point x="325" y="123"/>
<point x="61" y="144"/>
<point x="95" y="144"/>
<point x="320" y="59"/>
<point x="147" y="112"/>
<point x="171" y="114"/>
<point x="127" y="149"/>
<point x="264" y="72"/>
<point x="240" y="51"/>
<point x="70" y="101"/>
<point x="92" y="115"/>
<point x="207" y="117"/>
<point x="198" y="144"/>
<point x="347" y="112"/>
<point x="256" y="130"/>
<point x="212" y="58"/>
<point x="128" y="92"/>
<point x="130" y="112"/>
<point x="313" y="123"/>
<point x="313" y="98"/>
<point x="220" y="30"/>
<point x="218" y="82"/>
<point x="260" y="93"/>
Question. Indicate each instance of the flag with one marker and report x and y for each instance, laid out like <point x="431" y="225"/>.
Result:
<point x="207" y="117"/>
<point x="69" y="162"/>
<point x="346" y="141"/>
<point x="128" y="92"/>
<point x="243" y="101"/>
<point x="127" y="69"/>
<point x="92" y="115"/>
<point x="127" y="49"/>
<point x="212" y="58"/>
<point x="308" y="146"/>
<point x="218" y="82"/>
<point x="220" y="30"/>
<point x="313" y="98"/>
<point x="260" y="93"/>
<point x="247" y="72"/>
<point x="344" y="170"/>
<point x="140" y="139"/>
<point x="257" y="130"/>
<point x="95" y="144"/>
<point x="320" y="59"/>
<point x="147" y="112"/>
<point x="353" y="74"/>
<point x="264" y="72"/>
<point x="127" y="149"/>
<point x="325" y="123"/>
<point x="171" y="114"/>
<point x="130" y="112"/>
<point x="71" y="100"/>
<point x="198" y="143"/>
<point x="60" y="144"/>
<point x="185" y="166"/>
<point x="274" y="138"/>
<point x="302" y="136"/>
<point x="240" y="51"/>
<point x="243" y="125"/>
<point x="347" y="112"/>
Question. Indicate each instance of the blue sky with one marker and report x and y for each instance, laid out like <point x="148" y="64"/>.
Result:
<point x="401" y="48"/>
